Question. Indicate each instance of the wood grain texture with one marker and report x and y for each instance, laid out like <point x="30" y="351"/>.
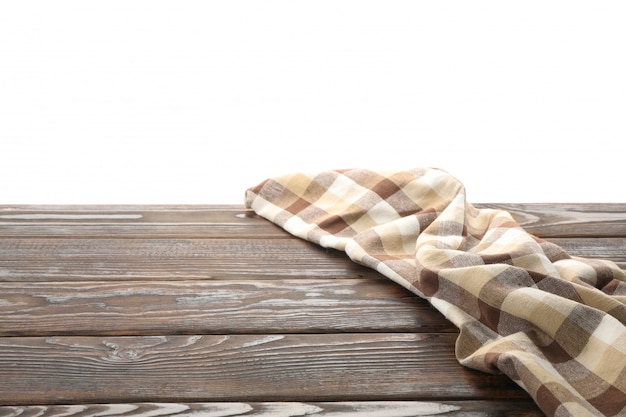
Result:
<point x="611" y="248"/>
<point x="217" y="307"/>
<point x="492" y="408"/>
<point x="135" y="222"/>
<point x="568" y="220"/>
<point x="212" y="310"/>
<point x="540" y="219"/>
<point x="72" y="259"/>
<point x="341" y="367"/>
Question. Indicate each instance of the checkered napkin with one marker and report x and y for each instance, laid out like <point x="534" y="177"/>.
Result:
<point x="553" y="323"/>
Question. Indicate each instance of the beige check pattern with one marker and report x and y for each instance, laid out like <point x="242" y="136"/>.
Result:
<point x="553" y="323"/>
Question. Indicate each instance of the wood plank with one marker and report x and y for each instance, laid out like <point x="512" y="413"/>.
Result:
<point x="135" y="222"/>
<point x="339" y="367"/>
<point x="72" y="259"/>
<point x="83" y="327"/>
<point x="613" y="249"/>
<point x="540" y="219"/>
<point x="77" y="208"/>
<point x="568" y="220"/>
<point x="67" y="259"/>
<point x="214" y="307"/>
<point x="493" y="408"/>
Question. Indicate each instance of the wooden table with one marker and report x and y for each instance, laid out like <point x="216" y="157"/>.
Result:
<point x="213" y="311"/>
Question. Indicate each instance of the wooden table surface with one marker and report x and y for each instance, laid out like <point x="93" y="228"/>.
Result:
<point x="213" y="311"/>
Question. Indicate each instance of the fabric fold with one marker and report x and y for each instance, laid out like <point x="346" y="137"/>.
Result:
<point x="553" y="323"/>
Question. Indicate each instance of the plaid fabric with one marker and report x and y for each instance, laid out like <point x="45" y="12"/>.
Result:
<point x="553" y="323"/>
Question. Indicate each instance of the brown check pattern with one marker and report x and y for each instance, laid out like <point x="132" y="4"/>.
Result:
<point x="553" y="323"/>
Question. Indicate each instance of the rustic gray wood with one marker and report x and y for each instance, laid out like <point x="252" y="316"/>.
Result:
<point x="541" y="219"/>
<point x="168" y="242"/>
<point x="611" y="248"/>
<point x="135" y="221"/>
<point x="273" y="367"/>
<point x="568" y="220"/>
<point x="212" y="310"/>
<point x="492" y="408"/>
<point x="76" y="259"/>
<point x="214" y="307"/>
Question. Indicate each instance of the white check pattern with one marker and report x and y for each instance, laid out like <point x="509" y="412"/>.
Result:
<point x="553" y="323"/>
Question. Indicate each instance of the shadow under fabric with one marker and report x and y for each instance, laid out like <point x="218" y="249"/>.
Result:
<point x="553" y="323"/>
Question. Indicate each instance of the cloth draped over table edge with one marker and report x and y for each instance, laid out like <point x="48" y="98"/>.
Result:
<point x="553" y="323"/>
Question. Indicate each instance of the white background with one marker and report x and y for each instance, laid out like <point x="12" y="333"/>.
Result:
<point x="185" y="102"/>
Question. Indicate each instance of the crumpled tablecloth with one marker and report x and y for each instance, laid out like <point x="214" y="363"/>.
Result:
<point x="553" y="323"/>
